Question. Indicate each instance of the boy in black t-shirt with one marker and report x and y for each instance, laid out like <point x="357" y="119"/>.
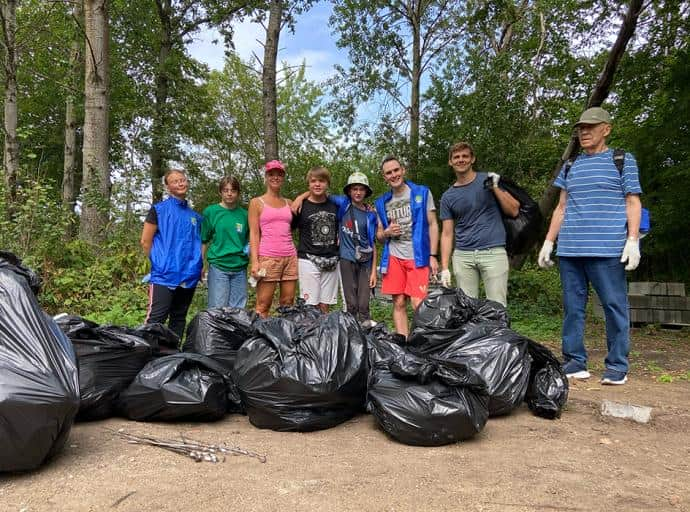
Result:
<point x="318" y="242"/>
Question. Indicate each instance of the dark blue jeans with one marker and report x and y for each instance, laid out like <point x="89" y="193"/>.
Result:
<point x="607" y="276"/>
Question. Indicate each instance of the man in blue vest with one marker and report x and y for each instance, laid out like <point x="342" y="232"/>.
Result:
<point x="408" y="229"/>
<point x="597" y="223"/>
<point x="171" y="238"/>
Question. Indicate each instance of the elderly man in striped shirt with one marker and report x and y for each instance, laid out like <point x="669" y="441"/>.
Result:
<point x="597" y="223"/>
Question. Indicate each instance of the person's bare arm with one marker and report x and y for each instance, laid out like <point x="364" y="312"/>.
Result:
<point x="433" y="240"/>
<point x="557" y="217"/>
<point x="253" y="213"/>
<point x="372" y="276"/>
<point x="509" y="205"/>
<point x="633" y="211"/>
<point x="147" y="235"/>
<point x="447" y="236"/>
<point x="296" y="205"/>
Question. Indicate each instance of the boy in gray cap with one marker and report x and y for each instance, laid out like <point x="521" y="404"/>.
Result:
<point x="597" y="223"/>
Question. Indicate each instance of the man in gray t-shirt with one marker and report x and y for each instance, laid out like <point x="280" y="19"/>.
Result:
<point x="474" y="215"/>
<point x="408" y="230"/>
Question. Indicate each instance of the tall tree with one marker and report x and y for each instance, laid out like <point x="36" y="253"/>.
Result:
<point x="598" y="95"/>
<point x="179" y="19"/>
<point x="8" y="17"/>
<point x="234" y="143"/>
<point x="393" y="44"/>
<point x="96" y="170"/>
<point x="69" y="168"/>
<point x="268" y="80"/>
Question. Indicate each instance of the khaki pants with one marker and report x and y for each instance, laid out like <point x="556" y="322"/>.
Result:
<point x="491" y="265"/>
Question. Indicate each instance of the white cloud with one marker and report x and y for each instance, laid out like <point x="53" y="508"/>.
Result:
<point x="311" y="43"/>
<point x="246" y="36"/>
<point x="319" y="64"/>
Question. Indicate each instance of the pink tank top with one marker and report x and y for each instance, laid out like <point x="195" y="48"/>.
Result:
<point x="276" y="237"/>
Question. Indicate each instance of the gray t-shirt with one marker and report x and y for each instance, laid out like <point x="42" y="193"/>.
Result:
<point x="477" y="216"/>
<point x="398" y="210"/>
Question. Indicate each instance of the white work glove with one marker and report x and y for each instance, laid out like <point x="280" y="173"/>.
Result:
<point x="544" y="259"/>
<point x="631" y="254"/>
<point x="494" y="177"/>
<point x="444" y="276"/>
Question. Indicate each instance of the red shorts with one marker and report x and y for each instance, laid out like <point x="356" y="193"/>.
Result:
<point x="404" y="278"/>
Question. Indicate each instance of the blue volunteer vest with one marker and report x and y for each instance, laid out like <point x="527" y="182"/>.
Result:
<point x="176" y="250"/>
<point x="344" y="203"/>
<point x="420" y="225"/>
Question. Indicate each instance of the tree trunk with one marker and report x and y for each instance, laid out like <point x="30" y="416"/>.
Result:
<point x="8" y="13"/>
<point x="70" y="151"/>
<point x="160" y="118"/>
<point x="415" y="80"/>
<point x="269" y="81"/>
<point x="96" y="179"/>
<point x="599" y="94"/>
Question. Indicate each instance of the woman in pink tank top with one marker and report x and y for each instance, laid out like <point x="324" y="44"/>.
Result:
<point x="273" y="257"/>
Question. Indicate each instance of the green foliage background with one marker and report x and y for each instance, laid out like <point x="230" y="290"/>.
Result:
<point x="514" y="98"/>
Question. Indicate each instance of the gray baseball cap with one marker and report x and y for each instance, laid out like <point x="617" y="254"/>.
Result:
<point x="594" y="115"/>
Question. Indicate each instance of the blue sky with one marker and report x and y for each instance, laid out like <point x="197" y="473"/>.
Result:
<point x="312" y="43"/>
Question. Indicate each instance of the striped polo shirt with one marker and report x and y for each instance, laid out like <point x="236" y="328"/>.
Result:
<point x="595" y="223"/>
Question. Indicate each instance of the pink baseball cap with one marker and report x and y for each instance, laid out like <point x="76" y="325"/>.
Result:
<point x="275" y="165"/>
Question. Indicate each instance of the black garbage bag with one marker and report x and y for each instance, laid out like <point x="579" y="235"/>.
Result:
<point x="547" y="392"/>
<point x="184" y="386"/>
<point x="523" y="231"/>
<point x="420" y="400"/>
<point x="448" y="325"/>
<point x="39" y="387"/>
<point x="219" y="333"/>
<point x="303" y="376"/>
<point x="498" y="354"/>
<point x="300" y="313"/>
<point x="163" y="340"/>
<point x="12" y="262"/>
<point x="450" y="308"/>
<point x="109" y="358"/>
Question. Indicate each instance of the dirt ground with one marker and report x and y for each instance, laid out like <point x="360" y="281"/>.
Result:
<point x="583" y="461"/>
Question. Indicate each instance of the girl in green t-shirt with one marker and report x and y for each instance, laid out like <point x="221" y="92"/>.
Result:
<point x="225" y="238"/>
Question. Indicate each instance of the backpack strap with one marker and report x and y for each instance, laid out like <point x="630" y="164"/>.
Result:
<point x="568" y="164"/>
<point x="619" y="159"/>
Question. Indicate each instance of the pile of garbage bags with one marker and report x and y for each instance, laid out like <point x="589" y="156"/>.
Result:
<point x="301" y="370"/>
<point x="420" y="400"/>
<point x="109" y="359"/>
<point x="39" y="388"/>
<point x="460" y="365"/>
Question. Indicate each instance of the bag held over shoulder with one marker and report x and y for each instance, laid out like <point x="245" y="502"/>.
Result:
<point x="523" y="231"/>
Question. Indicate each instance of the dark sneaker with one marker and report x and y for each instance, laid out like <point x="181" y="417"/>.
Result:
<point x="614" y="378"/>
<point x="574" y="370"/>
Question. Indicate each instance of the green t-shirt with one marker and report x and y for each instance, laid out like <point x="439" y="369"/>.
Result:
<point x="227" y="233"/>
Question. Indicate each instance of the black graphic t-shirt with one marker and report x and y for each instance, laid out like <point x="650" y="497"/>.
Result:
<point x="318" y="229"/>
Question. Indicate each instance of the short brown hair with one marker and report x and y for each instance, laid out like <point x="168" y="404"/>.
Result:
<point x="319" y="173"/>
<point x="389" y="158"/>
<point x="229" y="180"/>
<point x="173" y="171"/>
<point x="460" y="146"/>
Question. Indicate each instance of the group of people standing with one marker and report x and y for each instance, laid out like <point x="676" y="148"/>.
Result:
<point x="597" y="218"/>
